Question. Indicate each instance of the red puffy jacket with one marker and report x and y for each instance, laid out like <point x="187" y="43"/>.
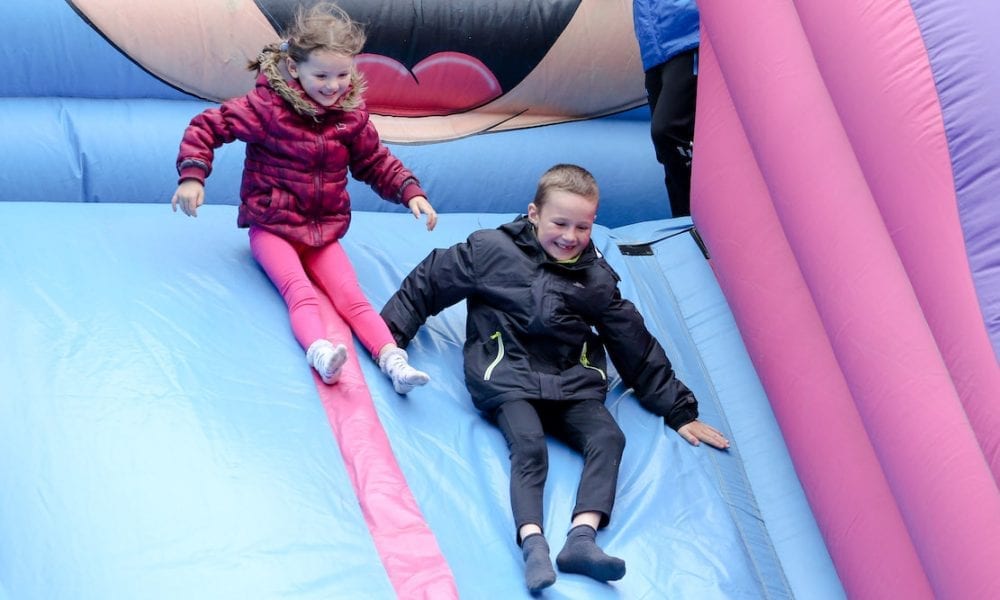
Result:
<point x="296" y="167"/>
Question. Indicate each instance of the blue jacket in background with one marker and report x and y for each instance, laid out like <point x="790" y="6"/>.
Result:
<point x="664" y="28"/>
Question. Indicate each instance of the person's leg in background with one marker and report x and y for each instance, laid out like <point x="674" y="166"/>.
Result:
<point x="672" y="89"/>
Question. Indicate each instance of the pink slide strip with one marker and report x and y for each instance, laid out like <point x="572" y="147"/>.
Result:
<point x="407" y="546"/>
<point x="900" y="384"/>
<point x="784" y="335"/>
<point x="898" y="135"/>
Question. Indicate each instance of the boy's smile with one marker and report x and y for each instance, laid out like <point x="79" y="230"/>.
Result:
<point x="564" y="223"/>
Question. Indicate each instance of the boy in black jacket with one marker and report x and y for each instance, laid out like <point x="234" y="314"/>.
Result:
<point x="543" y="307"/>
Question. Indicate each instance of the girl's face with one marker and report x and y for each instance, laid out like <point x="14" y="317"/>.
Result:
<point x="325" y="76"/>
<point x="564" y="222"/>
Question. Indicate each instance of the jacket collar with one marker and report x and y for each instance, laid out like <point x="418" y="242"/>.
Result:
<point x="522" y="232"/>
<point x="300" y="102"/>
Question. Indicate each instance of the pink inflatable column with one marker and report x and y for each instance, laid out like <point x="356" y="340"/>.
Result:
<point x="898" y="135"/>
<point x="884" y="347"/>
<point x="784" y="335"/>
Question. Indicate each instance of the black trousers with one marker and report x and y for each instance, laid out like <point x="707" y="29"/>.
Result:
<point x="586" y="427"/>
<point x="672" y="88"/>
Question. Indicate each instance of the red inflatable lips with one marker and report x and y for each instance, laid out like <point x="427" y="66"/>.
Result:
<point x="442" y="84"/>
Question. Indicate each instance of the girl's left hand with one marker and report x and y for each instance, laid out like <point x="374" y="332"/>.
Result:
<point x="419" y="204"/>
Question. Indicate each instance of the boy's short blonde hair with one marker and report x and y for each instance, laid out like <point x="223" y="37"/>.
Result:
<point x="568" y="178"/>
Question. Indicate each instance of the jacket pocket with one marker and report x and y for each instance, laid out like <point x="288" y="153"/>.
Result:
<point x="585" y="361"/>
<point x="498" y="357"/>
<point x="267" y="206"/>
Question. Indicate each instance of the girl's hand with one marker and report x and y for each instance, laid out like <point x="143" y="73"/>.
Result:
<point x="190" y="195"/>
<point x="419" y="204"/>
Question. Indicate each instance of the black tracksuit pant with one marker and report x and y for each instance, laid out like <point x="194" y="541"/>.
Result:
<point x="585" y="426"/>
<point x="672" y="88"/>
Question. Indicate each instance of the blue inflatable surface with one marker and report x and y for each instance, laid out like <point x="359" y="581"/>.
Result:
<point x="161" y="435"/>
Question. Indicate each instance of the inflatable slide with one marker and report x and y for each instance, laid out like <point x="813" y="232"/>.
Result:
<point x="835" y="309"/>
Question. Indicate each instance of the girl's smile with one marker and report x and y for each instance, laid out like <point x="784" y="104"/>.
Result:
<point x="325" y="76"/>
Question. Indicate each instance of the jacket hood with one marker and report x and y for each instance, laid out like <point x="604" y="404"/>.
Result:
<point x="272" y="76"/>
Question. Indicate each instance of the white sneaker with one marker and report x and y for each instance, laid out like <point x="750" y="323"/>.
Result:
<point x="404" y="377"/>
<point x="327" y="359"/>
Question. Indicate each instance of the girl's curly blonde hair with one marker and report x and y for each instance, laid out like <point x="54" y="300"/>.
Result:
<point x="323" y="28"/>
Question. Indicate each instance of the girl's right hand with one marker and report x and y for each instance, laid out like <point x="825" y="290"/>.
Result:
<point x="419" y="204"/>
<point x="190" y="195"/>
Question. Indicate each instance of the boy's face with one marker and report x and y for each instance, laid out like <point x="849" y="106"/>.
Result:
<point x="325" y="77"/>
<point x="563" y="224"/>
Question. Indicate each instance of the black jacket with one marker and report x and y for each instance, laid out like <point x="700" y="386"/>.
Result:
<point x="538" y="329"/>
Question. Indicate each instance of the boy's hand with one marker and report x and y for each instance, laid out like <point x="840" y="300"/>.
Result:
<point x="696" y="432"/>
<point x="419" y="204"/>
<point x="190" y="195"/>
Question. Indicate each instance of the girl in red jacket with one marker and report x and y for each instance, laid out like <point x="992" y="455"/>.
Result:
<point x="306" y="129"/>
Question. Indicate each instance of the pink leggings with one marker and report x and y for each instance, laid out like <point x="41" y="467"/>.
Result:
<point x="290" y="266"/>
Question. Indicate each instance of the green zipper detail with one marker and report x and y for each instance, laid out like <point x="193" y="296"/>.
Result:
<point x="496" y="361"/>
<point x="586" y="363"/>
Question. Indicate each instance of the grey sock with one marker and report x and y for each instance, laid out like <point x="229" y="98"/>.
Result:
<point x="582" y="555"/>
<point x="538" y="571"/>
